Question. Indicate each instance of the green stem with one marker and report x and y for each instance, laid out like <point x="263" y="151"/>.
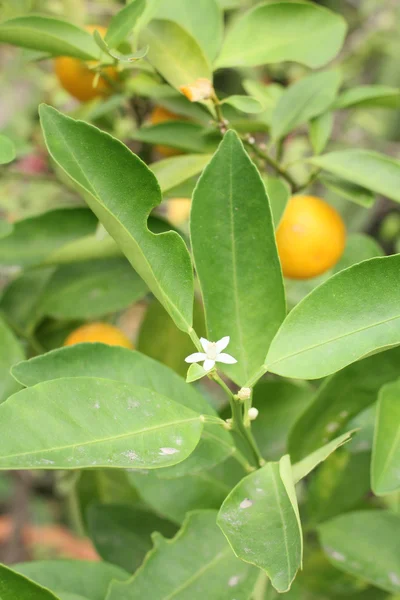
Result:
<point x="194" y="337"/>
<point x="271" y="162"/>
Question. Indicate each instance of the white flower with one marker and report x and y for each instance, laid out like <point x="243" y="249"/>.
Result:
<point x="212" y="354"/>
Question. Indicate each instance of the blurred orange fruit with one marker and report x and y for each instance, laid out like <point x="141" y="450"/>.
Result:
<point x="178" y="210"/>
<point x="311" y="237"/>
<point x="76" y="78"/>
<point x="98" y="332"/>
<point x="159" y="115"/>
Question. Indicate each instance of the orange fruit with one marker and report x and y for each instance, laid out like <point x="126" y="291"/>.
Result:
<point x="178" y="210"/>
<point x="162" y="115"/>
<point x="311" y="237"/>
<point x="76" y="78"/>
<point x="98" y="332"/>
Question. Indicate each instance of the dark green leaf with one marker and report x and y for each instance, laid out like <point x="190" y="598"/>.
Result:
<point x="190" y="137"/>
<point x="385" y="470"/>
<point x="13" y="586"/>
<point x="123" y="22"/>
<point x="7" y="150"/>
<point x="10" y="353"/>
<point x="116" y="181"/>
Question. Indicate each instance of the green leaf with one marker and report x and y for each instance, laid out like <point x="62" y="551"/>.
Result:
<point x="52" y="36"/>
<point x="118" y="181"/>
<point x="142" y="430"/>
<point x="195" y="372"/>
<point x="233" y="239"/>
<point x="133" y="368"/>
<point x="372" y="170"/>
<point x="261" y="524"/>
<point x="366" y="545"/>
<point x="267" y="94"/>
<point x="308" y="464"/>
<point x="190" y="137"/>
<point x="246" y="104"/>
<point x="127" y="58"/>
<point x="174" y="53"/>
<point x="7" y="150"/>
<point x="13" y="586"/>
<point x="92" y="289"/>
<point x="202" y="19"/>
<point x="122" y="533"/>
<point x="123" y="22"/>
<point x="359" y="247"/>
<point x="279" y="404"/>
<point x="91" y="579"/>
<point x="369" y="96"/>
<point x="170" y="172"/>
<point x="278" y="193"/>
<point x="341" y="321"/>
<point x="283" y="31"/>
<point x="46" y="233"/>
<point x="5" y="228"/>
<point x="320" y="131"/>
<point x="212" y="571"/>
<point x="303" y="101"/>
<point x="385" y="473"/>
<point x="356" y="193"/>
<point x="339" y="399"/>
<point x="10" y="353"/>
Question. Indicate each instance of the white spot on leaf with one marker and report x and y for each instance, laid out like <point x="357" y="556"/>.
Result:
<point x="331" y="427"/>
<point x="394" y="578"/>
<point x="234" y="580"/>
<point x="246" y="503"/>
<point x="130" y="454"/>
<point x="167" y="451"/>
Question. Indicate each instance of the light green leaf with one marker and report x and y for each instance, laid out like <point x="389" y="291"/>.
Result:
<point x="105" y="424"/>
<point x="123" y="22"/>
<point x="308" y="464"/>
<point x="7" y="150"/>
<point x="282" y="31"/>
<point x="174" y="53"/>
<point x="118" y="181"/>
<point x="127" y="58"/>
<point x="194" y="373"/>
<point x="13" y="586"/>
<point x="232" y="239"/>
<point x="212" y="571"/>
<point x="369" y="96"/>
<point x="303" y="101"/>
<point x="278" y="193"/>
<point x="267" y="94"/>
<point x="366" y="545"/>
<point x="133" y="368"/>
<point x="246" y="104"/>
<point x="320" y="131"/>
<point x="5" y="228"/>
<point x="190" y="137"/>
<point x="72" y="576"/>
<point x="356" y="193"/>
<point x="10" y="353"/>
<point x="170" y="172"/>
<point x="122" y="533"/>
<point x="385" y="469"/>
<point x="372" y="170"/>
<point x="339" y="399"/>
<point x="261" y="523"/>
<point x="202" y="19"/>
<point x="359" y="247"/>
<point x="341" y="321"/>
<point x="46" y="233"/>
<point x="52" y="36"/>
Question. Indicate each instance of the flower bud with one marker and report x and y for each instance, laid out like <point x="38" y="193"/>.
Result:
<point x="244" y="394"/>
<point x="253" y="413"/>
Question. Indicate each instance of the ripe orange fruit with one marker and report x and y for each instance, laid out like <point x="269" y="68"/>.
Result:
<point x="178" y="210"/>
<point x="162" y="115"/>
<point x="311" y="237"/>
<point x="98" y="332"/>
<point x="76" y="77"/>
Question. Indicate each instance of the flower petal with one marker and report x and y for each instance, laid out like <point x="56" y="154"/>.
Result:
<point x="222" y="344"/>
<point x="208" y="364"/>
<point x="226" y="358"/>
<point x="204" y="344"/>
<point x="196" y="357"/>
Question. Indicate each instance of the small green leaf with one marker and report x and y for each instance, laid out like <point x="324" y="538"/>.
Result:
<point x="267" y="94"/>
<point x="174" y="53"/>
<point x="189" y="137"/>
<point x="233" y="239"/>
<point x="308" y="464"/>
<point x="261" y="523"/>
<point x="212" y="571"/>
<point x="141" y="430"/>
<point x="356" y="193"/>
<point x="128" y="58"/>
<point x="123" y="22"/>
<point x="173" y="171"/>
<point x="194" y="373"/>
<point x="385" y="473"/>
<point x="282" y="31"/>
<point x="372" y="170"/>
<point x="13" y="586"/>
<point x="320" y="131"/>
<point x="52" y="36"/>
<point x="11" y="353"/>
<point x="7" y="150"/>
<point x="122" y="533"/>
<point x="73" y="576"/>
<point x="369" y="96"/>
<point x="122" y="191"/>
<point x="366" y="545"/>
<point x="340" y="322"/>
<point x="246" y="104"/>
<point x="278" y="193"/>
<point x="303" y="101"/>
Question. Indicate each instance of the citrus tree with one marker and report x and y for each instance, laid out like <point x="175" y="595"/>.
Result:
<point x="208" y="461"/>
